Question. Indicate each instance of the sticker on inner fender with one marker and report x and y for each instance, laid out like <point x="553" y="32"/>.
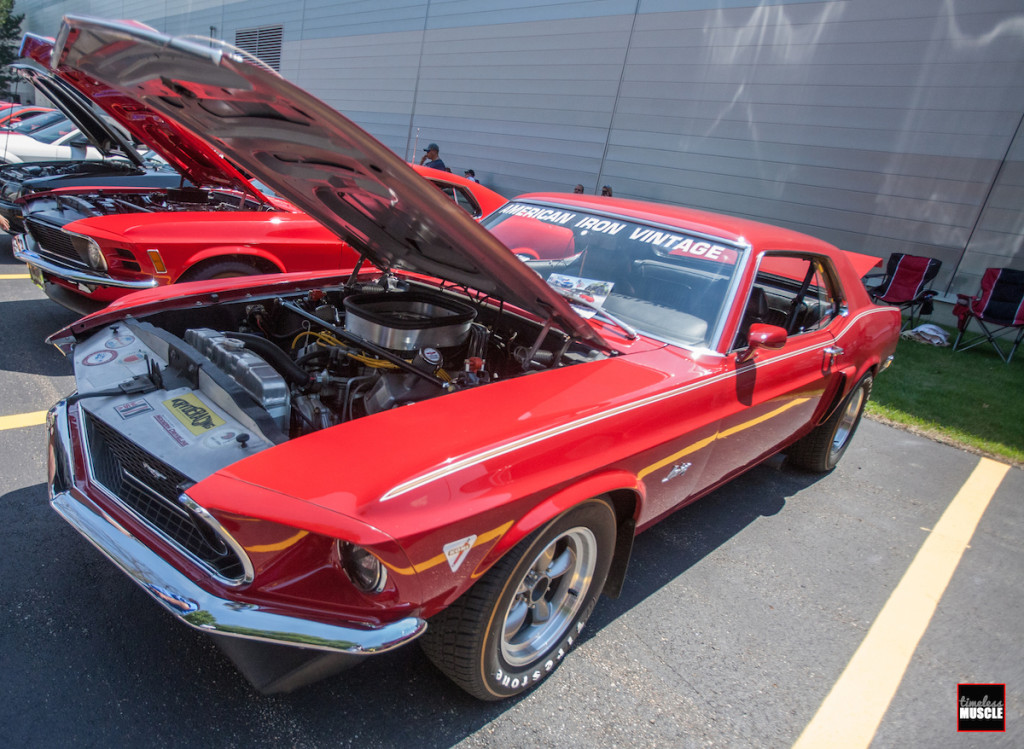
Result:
<point x="193" y="413"/>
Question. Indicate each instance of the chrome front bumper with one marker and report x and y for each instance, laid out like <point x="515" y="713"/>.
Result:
<point x="179" y="594"/>
<point x="24" y="248"/>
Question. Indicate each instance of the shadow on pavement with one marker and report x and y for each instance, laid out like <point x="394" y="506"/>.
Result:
<point x="83" y="637"/>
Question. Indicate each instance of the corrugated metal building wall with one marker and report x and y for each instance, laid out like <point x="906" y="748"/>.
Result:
<point x="876" y="125"/>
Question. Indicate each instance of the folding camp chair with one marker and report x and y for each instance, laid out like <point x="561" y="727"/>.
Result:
<point x="903" y="285"/>
<point x="998" y="308"/>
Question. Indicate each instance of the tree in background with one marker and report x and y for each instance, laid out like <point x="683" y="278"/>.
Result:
<point x="10" y="40"/>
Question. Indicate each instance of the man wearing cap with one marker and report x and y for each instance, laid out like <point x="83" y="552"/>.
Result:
<point x="431" y="157"/>
<point x="470" y="174"/>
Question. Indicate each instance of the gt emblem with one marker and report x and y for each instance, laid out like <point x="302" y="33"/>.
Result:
<point x="677" y="470"/>
<point x="457" y="551"/>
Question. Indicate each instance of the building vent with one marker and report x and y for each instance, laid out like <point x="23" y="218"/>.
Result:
<point x="263" y="42"/>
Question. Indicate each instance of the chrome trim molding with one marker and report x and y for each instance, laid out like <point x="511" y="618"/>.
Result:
<point x="248" y="573"/>
<point x="22" y="251"/>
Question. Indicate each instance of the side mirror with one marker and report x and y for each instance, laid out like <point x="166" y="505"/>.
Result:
<point x="762" y="336"/>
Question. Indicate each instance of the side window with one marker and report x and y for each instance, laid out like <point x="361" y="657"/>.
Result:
<point x="466" y="201"/>
<point x="793" y="291"/>
<point x="461" y="197"/>
<point x="821" y="300"/>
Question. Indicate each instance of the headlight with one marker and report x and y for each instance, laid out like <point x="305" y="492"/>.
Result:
<point x="364" y="569"/>
<point x="87" y="248"/>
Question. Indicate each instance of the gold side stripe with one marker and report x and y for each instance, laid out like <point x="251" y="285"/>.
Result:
<point x="718" y="435"/>
<point x="452" y="467"/>
<point x="280" y="545"/>
<point x="483" y="538"/>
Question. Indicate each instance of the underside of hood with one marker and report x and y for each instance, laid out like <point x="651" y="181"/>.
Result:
<point x="189" y="156"/>
<point x="103" y="136"/>
<point x="310" y="154"/>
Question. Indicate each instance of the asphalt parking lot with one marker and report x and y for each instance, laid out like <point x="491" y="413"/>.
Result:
<point x="742" y="614"/>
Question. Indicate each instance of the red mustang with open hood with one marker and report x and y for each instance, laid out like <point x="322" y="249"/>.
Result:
<point x="89" y="244"/>
<point x="447" y="443"/>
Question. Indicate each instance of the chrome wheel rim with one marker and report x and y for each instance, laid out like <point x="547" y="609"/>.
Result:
<point x="846" y="424"/>
<point x="548" y="596"/>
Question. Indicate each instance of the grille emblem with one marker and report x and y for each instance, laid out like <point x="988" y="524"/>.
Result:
<point x="153" y="472"/>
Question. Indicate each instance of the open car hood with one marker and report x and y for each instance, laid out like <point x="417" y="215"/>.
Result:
<point x="77" y="108"/>
<point x="310" y="154"/>
<point x="191" y="157"/>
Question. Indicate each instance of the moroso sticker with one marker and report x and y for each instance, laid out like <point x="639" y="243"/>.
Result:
<point x="457" y="551"/>
<point x="133" y="408"/>
<point x="100" y="357"/>
<point x="171" y="431"/>
<point x="193" y="413"/>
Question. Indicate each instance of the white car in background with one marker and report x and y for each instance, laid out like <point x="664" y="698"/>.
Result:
<point x="59" y="141"/>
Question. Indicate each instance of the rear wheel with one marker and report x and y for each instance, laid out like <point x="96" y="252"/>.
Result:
<point x="821" y="450"/>
<point x="221" y="269"/>
<point x="516" y="624"/>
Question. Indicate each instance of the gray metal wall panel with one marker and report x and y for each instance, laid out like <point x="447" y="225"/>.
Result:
<point x="998" y="240"/>
<point x="879" y="126"/>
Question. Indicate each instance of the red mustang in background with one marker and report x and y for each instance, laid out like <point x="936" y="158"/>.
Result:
<point x="447" y="443"/>
<point x="86" y="246"/>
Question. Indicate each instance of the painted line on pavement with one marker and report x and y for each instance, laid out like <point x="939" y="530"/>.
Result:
<point x="16" y="421"/>
<point x="14" y="276"/>
<point x="853" y="710"/>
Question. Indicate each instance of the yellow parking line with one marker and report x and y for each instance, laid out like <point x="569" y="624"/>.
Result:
<point x="17" y="421"/>
<point x="13" y="276"/>
<point x="853" y="710"/>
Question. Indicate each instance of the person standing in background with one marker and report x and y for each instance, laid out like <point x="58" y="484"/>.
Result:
<point x="432" y="157"/>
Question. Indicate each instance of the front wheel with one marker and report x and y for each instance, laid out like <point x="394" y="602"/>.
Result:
<point x="821" y="450"/>
<point x="511" y="630"/>
<point x="220" y="269"/>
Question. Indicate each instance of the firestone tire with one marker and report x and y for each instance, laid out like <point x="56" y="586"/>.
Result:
<point x="512" y="629"/>
<point x="821" y="450"/>
<point x="220" y="269"/>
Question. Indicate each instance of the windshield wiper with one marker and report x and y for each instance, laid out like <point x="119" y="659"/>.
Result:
<point x="631" y="334"/>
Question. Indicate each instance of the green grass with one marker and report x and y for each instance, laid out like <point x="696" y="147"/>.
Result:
<point x="969" y="398"/>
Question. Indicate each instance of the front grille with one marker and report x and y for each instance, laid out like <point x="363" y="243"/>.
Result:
<point x="54" y="243"/>
<point x="150" y="489"/>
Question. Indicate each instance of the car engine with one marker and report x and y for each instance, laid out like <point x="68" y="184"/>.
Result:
<point x="261" y="372"/>
<point x="73" y="206"/>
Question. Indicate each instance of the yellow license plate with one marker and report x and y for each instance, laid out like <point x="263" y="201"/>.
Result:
<point x="36" y="275"/>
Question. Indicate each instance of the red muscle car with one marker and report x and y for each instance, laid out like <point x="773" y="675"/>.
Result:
<point x="87" y="245"/>
<point x="446" y="444"/>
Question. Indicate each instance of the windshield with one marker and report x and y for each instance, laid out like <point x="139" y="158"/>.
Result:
<point x="37" y="122"/>
<point x="671" y="285"/>
<point x="53" y="132"/>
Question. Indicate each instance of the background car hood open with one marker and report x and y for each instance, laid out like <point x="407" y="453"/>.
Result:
<point x="77" y="108"/>
<point x="310" y="154"/>
<point x="191" y="157"/>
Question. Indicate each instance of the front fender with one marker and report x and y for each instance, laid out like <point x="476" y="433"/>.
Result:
<point x="605" y="483"/>
<point x="230" y="252"/>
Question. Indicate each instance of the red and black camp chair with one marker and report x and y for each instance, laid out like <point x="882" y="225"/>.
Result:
<point x="905" y="285"/>
<point x="998" y="308"/>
